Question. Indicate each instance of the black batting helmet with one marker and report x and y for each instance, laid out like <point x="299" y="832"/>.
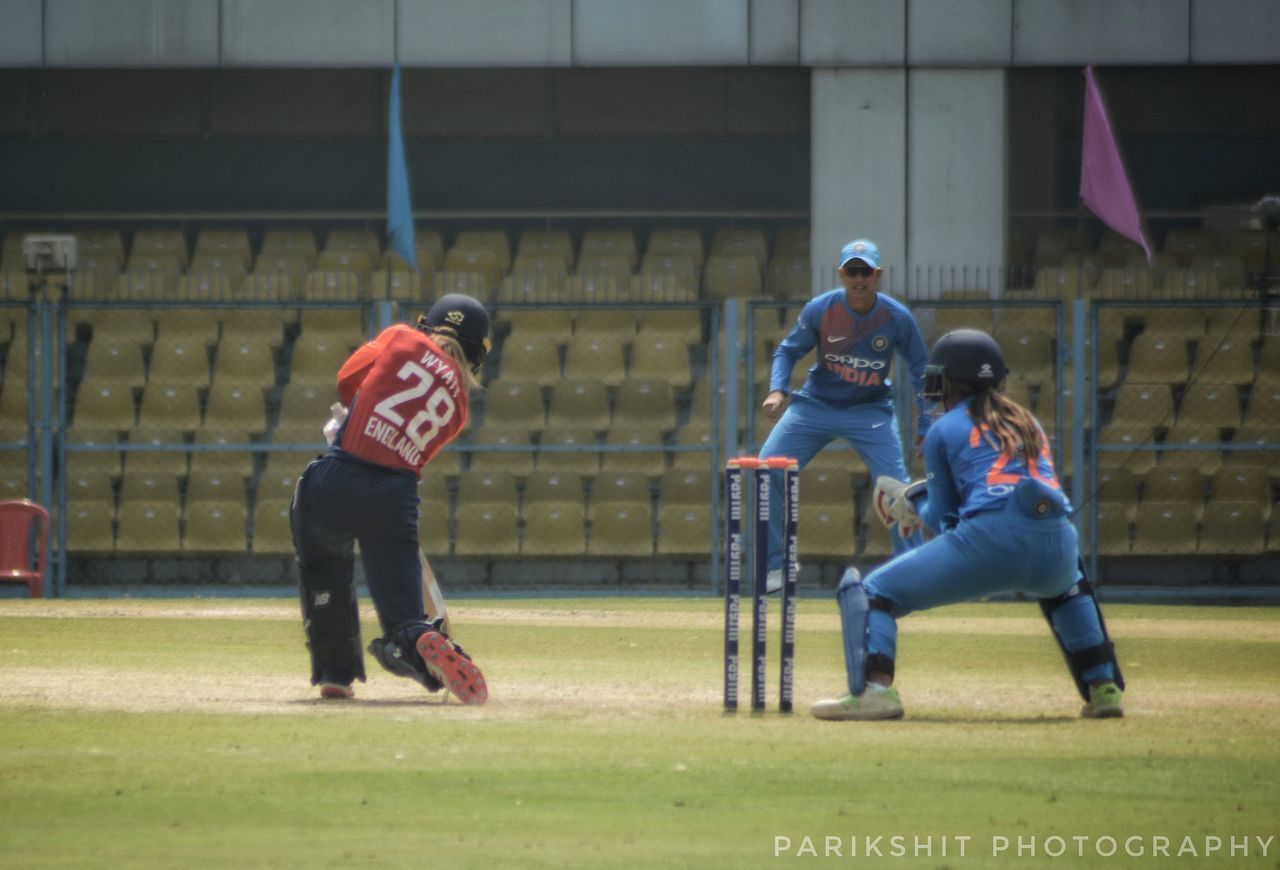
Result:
<point x="966" y="356"/>
<point x="463" y="318"/>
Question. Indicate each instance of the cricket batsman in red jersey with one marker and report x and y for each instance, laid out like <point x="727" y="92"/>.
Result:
<point x="404" y="396"/>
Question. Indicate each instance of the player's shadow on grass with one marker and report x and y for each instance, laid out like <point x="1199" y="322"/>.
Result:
<point x="343" y="703"/>
<point x="939" y="719"/>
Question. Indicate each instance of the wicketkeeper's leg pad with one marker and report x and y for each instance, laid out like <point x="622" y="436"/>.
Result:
<point x="1078" y="604"/>
<point x="331" y="620"/>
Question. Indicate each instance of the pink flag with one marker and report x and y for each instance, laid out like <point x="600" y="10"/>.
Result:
<point x="1104" y="185"/>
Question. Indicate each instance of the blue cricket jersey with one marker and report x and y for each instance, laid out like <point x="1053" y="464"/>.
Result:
<point x="968" y="473"/>
<point x="855" y="352"/>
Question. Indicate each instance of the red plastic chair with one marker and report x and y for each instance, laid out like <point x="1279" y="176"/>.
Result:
<point x="16" y="519"/>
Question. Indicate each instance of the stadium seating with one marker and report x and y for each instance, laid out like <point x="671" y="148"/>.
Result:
<point x="1164" y="528"/>
<point x="582" y="404"/>
<point x="553" y="529"/>
<point x="581" y="458"/>
<point x="592" y="357"/>
<point x="514" y="406"/>
<point x="621" y="530"/>
<point x="215" y="527"/>
<point x="272" y="535"/>
<point x="645" y="404"/>
<point x="89" y="528"/>
<point x="517" y="462"/>
<point x="609" y="242"/>
<point x="826" y="530"/>
<point x="684" y="530"/>
<point x="1115" y="522"/>
<point x="148" y="528"/>
<point x="486" y="531"/>
<point x="650" y="462"/>
<point x="1233" y="528"/>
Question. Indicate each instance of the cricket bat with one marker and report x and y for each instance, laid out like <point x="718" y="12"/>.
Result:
<point x="432" y="597"/>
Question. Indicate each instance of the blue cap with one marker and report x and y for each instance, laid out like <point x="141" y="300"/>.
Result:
<point x="860" y="249"/>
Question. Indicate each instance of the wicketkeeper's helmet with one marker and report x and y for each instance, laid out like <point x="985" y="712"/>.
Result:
<point x="965" y="356"/>
<point x="463" y="318"/>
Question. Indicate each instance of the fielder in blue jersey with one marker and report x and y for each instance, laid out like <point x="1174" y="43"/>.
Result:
<point x="1001" y="523"/>
<point x="848" y="393"/>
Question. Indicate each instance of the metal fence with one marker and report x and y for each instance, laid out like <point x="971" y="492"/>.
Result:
<point x="165" y="435"/>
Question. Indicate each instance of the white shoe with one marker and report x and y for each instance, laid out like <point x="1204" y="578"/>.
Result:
<point x="773" y="580"/>
<point x="871" y="704"/>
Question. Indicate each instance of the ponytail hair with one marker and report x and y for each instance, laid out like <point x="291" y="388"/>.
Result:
<point x="452" y="348"/>
<point x="1012" y="426"/>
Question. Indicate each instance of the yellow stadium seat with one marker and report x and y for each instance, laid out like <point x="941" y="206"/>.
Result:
<point x="682" y="241"/>
<point x="1206" y="438"/>
<point x="741" y="241"/>
<point x="545" y="243"/>
<point x="170" y="406"/>
<point x="553" y="486"/>
<point x="674" y="274"/>
<point x="621" y="531"/>
<point x="295" y="267"/>
<point x="89" y="527"/>
<point x="790" y="276"/>
<point x="224" y="242"/>
<point x="679" y="324"/>
<point x="619" y="487"/>
<point x="685" y="486"/>
<point x="1210" y="405"/>
<point x="104" y="406"/>
<point x="236" y="406"/>
<point x="529" y="357"/>
<point x="410" y="288"/>
<point x="114" y="362"/>
<point x="582" y="404"/>
<point x="307" y="404"/>
<point x="1224" y="359"/>
<point x="792" y="240"/>
<point x="826" y="530"/>
<point x="494" y="241"/>
<point x="245" y="361"/>
<point x="148" y="486"/>
<point x="90" y="486"/>
<point x="290" y="242"/>
<point x="1164" y="528"/>
<point x="691" y="436"/>
<point x="272" y="535"/>
<point x="660" y="357"/>
<point x="1137" y="441"/>
<point x="1186" y="243"/>
<point x="1157" y="359"/>
<point x="651" y="462"/>
<point x="1029" y="354"/>
<point x="149" y="278"/>
<point x="433" y="528"/>
<point x="214" y="486"/>
<point x="514" y="406"/>
<point x="517" y="462"/>
<point x="613" y="324"/>
<point x="588" y="357"/>
<point x="215" y="527"/>
<point x="236" y="459"/>
<point x="280" y="475"/>
<point x="96" y="461"/>
<point x="317" y="358"/>
<point x="1141" y="403"/>
<point x="162" y="243"/>
<point x="225" y="266"/>
<point x="1064" y="284"/>
<point x="616" y="267"/>
<point x="684" y="530"/>
<point x="726" y="275"/>
<point x="826" y="486"/>
<point x="1182" y="483"/>
<point x="645" y="404"/>
<point x="101" y="242"/>
<point x="578" y="455"/>
<point x="486" y="487"/>
<point x="180" y="361"/>
<point x="538" y="277"/>
<point x="553" y="529"/>
<point x="486" y="530"/>
<point x="1115" y="522"/>
<point x="1233" y="528"/>
<point x="609" y="242"/>
<point x="334" y="285"/>
<point x="359" y="240"/>
<point x="169" y="457"/>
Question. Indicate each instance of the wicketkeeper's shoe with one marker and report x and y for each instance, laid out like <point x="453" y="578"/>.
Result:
<point x="1106" y="701"/>
<point x="773" y="580"/>
<point x="450" y="665"/>
<point x="336" y="690"/>
<point x="871" y="704"/>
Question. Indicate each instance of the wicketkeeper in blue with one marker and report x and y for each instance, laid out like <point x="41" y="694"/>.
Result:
<point x="1001" y="522"/>
<point x="849" y="394"/>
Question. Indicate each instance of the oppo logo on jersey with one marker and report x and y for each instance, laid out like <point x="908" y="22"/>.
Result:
<point x="854" y="369"/>
<point x="856" y="362"/>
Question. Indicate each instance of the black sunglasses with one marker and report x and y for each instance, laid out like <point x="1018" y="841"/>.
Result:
<point x="858" y="271"/>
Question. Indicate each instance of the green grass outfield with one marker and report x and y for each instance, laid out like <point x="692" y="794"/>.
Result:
<point x="183" y="733"/>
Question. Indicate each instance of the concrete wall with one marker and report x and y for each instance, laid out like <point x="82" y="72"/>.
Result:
<point x="593" y="33"/>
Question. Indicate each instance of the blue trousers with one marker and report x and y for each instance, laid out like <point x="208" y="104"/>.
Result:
<point x="808" y="426"/>
<point x="994" y="551"/>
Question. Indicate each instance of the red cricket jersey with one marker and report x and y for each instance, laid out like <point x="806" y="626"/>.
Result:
<point x="405" y="398"/>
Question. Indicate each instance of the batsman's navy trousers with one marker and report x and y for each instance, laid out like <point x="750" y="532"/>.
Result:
<point x="807" y="426"/>
<point x="339" y="501"/>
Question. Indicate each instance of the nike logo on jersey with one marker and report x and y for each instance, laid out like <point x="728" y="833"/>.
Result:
<point x="876" y="425"/>
<point x="835" y="338"/>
